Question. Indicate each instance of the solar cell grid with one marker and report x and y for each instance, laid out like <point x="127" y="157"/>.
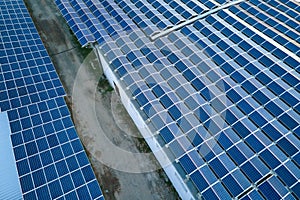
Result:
<point x="25" y="67"/>
<point x="285" y="9"/>
<point x="42" y="132"/>
<point x="78" y="27"/>
<point x="253" y="76"/>
<point x="282" y="40"/>
<point x="28" y="155"/>
<point x="275" y="24"/>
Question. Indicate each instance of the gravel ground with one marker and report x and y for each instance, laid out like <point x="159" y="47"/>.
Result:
<point x="121" y="160"/>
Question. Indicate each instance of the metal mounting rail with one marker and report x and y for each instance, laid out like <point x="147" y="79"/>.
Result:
<point x="190" y="21"/>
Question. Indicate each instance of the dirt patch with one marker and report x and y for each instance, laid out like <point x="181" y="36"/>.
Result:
<point x="108" y="181"/>
<point x="50" y="26"/>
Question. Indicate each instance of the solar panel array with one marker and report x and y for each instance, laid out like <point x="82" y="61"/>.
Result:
<point x="50" y="158"/>
<point x="223" y="92"/>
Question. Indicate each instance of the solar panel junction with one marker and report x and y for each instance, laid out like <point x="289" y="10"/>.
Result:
<point x="222" y="92"/>
<point x="49" y="158"/>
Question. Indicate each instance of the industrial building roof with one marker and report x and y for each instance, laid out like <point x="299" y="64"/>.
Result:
<point x="45" y="158"/>
<point x="217" y="80"/>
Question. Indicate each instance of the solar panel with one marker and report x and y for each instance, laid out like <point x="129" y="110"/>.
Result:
<point x="79" y="28"/>
<point x="284" y="30"/>
<point x="224" y="89"/>
<point x="50" y="159"/>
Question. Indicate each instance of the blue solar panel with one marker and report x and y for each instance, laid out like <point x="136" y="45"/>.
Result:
<point x="293" y="35"/>
<point x="198" y="62"/>
<point x="31" y="150"/>
<point x="78" y="27"/>
<point x="42" y="132"/>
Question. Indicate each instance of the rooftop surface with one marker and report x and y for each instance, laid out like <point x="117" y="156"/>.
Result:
<point x="42" y="144"/>
<point x="217" y="83"/>
<point x="10" y="188"/>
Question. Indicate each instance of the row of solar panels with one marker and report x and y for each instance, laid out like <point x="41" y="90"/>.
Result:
<point x="255" y="116"/>
<point x="136" y="9"/>
<point x="50" y="159"/>
<point x="165" y="80"/>
<point x="80" y="29"/>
